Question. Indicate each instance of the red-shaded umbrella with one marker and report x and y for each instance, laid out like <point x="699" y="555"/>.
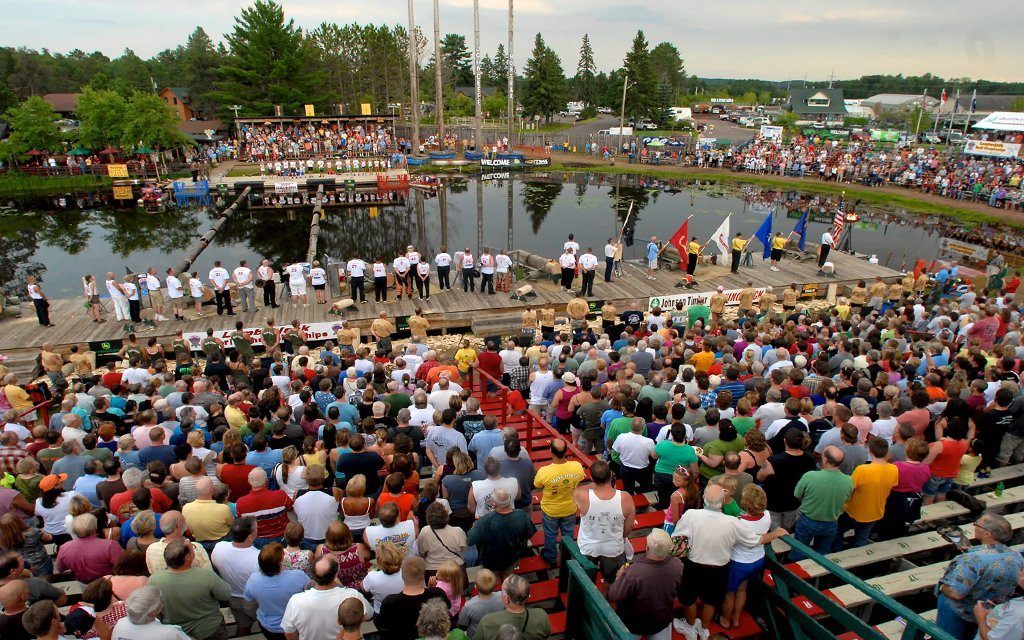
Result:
<point x="35" y="152"/>
<point x="110" y="151"/>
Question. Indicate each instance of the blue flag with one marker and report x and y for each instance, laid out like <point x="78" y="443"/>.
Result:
<point x="801" y="228"/>
<point x="764" y="234"/>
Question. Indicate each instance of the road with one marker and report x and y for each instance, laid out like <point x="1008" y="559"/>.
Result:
<point x="721" y="128"/>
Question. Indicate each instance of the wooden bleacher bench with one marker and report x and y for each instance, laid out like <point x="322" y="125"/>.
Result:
<point x="894" y="628"/>
<point x="1001" y="474"/>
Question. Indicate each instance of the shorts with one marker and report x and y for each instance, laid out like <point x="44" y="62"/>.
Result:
<point x="243" y="610"/>
<point x="740" y="572"/>
<point x="156" y="298"/>
<point x="319" y="287"/>
<point x="653" y="263"/>
<point x="703" y="582"/>
<point x="936" y="485"/>
<point x="776" y="254"/>
<point x="297" y="288"/>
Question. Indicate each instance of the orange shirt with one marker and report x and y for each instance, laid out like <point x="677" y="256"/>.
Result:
<point x="404" y="503"/>
<point x="703" y="360"/>
<point x="935" y="393"/>
<point x="435" y="373"/>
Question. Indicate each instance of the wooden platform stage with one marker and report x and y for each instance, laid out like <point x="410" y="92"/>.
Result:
<point x="21" y="338"/>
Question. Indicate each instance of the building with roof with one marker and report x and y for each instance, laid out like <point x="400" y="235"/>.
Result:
<point x="985" y="105"/>
<point x="486" y="92"/>
<point x="178" y="98"/>
<point x="204" y="130"/>
<point x="819" y="105"/>
<point x="64" y="104"/>
<point x="896" y="102"/>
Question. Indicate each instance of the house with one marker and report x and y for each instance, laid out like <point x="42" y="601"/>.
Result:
<point x="819" y="105"/>
<point x="486" y="92"/>
<point x="896" y="102"/>
<point x="65" y="104"/>
<point x="984" y="105"/>
<point x="204" y="130"/>
<point x="178" y="98"/>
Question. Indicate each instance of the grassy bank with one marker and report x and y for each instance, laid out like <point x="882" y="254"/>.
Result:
<point x="866" y="195"/>
<point x="12" y="185"/>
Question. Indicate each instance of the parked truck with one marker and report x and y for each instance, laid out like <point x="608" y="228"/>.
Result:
<point x="616" y="131"/>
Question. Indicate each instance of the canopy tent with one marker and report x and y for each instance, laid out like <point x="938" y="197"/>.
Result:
<point x="656" y="143"/>
<point x="110" y="151"/>
<point x="1002" y="121"/>
<point x="144" y="150"/>
<point x="79" y="151"/>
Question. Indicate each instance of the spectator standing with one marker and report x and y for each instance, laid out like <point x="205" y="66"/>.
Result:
<point x="872" y="483"/>
<point x="192" y="596"/>
<point x="557" y="482"/>
<point x="645" y="591"/>
<point x="822" y="495"/>
<point x="271" y="588"/>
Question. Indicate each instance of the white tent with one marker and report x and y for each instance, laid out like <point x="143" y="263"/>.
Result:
<point x="1002" y="121"/>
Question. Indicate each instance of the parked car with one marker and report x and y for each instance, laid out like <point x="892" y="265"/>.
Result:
<point x="646" y="125"/>
<point x="604" y="109"/>
<point x="930" y="138"/>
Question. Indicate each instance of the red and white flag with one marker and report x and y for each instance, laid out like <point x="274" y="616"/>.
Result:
<point x="942" y="100"/>
<point x="838" y="222"/>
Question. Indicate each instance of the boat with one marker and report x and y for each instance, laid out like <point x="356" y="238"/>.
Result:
<point x="426" y="183"/>
<point x="474" y="155"/>
<point x="441" y="155"/>
<point x="414" y="161"/>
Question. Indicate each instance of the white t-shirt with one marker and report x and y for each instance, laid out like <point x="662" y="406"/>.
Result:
<point x="195" y="287"/>
<point x="467" y="261"/>
<point x="219" y="276"/>
<point x="113" y="289"/>
<point x="486" y="263"/>
<point x="484" y="489"/>
<point x="296" y="273"/>
<point x="131" y="291"/>
<point x="241" y="275"/>
<point x="423" y="268"/>
<point x="174" y="288"/>
<point x="152" y="282"/>
<point x="265" y="273"/>
<point x="712" y="535"/>
<point x="313" y="614"/>
<point x="235" y="564"/>
<point x="413" y="257"/>
<point x="381" y="585"/>
<point x="884" y="428"/>
<point x="379" y="270"/>
<point x="502" y="263"/>
<point x="743" y="552"/>
<point x="571" y="244"/>
<point x="826" y="239"/>
<point x="317" y="275"/>
<point x="666" y="431"/>
<point x="443" y="260"/>
<point x="125" y="629"/>
<point x="610" y="250"/>
<point x="588" y="261"/>
<point x="567" y="260"/>
<point x="356" y="268"/>
<point x="136" y="375"/>
<point x="776" y="426"/>
<point x="403" y="534"/>
<point x="401" y="264"/>
<point x="316" y="511"/>
<point x="422" y="417"/>
<point x="634" y="450"/>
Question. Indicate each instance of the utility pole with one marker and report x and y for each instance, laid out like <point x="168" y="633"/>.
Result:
<point x="438" y="89"/>
<point x="478" y="127"/>
<point x="830" y="77"/>
<point x="414" y="82"/>
<point x="511" y="79"/>
<point x="622" y="111"/>
<point x="917" y="129"/>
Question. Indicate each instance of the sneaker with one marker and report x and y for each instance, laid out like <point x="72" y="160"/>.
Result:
<point x="687" y="630"/>
<point x="702" y="633"/>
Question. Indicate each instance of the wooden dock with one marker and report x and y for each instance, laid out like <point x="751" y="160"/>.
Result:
<point x="20" y="338"/>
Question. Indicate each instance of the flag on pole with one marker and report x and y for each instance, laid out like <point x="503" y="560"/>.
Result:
<point x="720" y="237"/>
<point x="764" y="234"/>
<point x="974" y="101"/>
<point x="942" y="100"/>
<point x="838" y="222"/>
<point x="678" y="239"/>
<point x="801" y="228"/>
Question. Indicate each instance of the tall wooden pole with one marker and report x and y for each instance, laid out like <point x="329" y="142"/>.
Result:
<point x="438" y="89"/>
<point x="414" y="82"/>
<point x="478" y="126"/>
<point x="511" y="78"/>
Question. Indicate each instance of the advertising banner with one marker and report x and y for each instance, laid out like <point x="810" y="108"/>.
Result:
<point x="117" y="170"/>
<point x="315" y="332"/>
<point x="704" y="298"/>
<point x="992" y="148"/>
<point x="515" y="163"/>
<point x="771" y="132"/>
<point x="286" y="187"/>
<point x="966" y="249"/>
<point x="879" y="135"/>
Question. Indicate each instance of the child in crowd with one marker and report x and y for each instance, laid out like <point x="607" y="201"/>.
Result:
<point x="486" y="601"/>
<point x="969" y="464"/>
<point x="451" y="578"/>
<point x="684" y="497"/>
<point x="295" y="557"/>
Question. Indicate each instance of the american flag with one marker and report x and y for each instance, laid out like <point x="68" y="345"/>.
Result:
<point x="838" y="222"/>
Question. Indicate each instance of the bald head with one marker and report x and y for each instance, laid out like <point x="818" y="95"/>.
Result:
<point x="714" y="496"/>
<point x="14" y="596"/>
<point x="204" y="488"/>
<point x="832" y="457"/>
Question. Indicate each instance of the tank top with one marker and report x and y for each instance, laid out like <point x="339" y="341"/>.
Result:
<point x="540" y="382"/>
<point x="947" y="463"/>
<point x="562" y="410"/>
<point x="601" y="528"/>
<point x="351" y="568"/>
<point x="670" y="513"/>
<point x="356" y="523"/>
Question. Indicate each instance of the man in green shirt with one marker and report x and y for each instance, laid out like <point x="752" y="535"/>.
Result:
<point x="822" y="495"/>
<point x="531" y="623"/>
<point x="654" y="391"/>
<point x="617" y="427"/>
<point x="192" y="597"/>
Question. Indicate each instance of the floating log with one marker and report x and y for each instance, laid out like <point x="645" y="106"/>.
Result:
<point x="203" y="242"/>
<point x="314" y="224"/>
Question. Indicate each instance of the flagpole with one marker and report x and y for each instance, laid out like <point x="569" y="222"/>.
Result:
<point x="970" y="111"/>
<point x="917" y="129"/>
<point x="952" y="114"/>
<point x="684" y="239"/>
<point x="938" y="112"/>
<point x="629" y="212"/>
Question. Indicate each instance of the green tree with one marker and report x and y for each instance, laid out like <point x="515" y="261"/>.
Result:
<point x="33" y="126"/>
<point x="642" y="95"/>
<point x="268" y="63"/>
<point x="496" y="105"/>
<point x="456" y="60"/>
<point x="133" y="70"/>
<point x="200" y="61"/>
<point x="101" y="115"/>
<point x="668" y="67"/>
<point x="585" y="81"/>
<point x="1018" y="104"/>
<point x="499" y="68"/>
<point x="543" y="92"/>
<point x="150" y="122"/>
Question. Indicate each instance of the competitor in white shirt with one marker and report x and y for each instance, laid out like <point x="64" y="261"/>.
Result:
<point x="487" y="272"/>
<point x="588" y="269"/>
<point x="826" y="246"/>
<point x="131" y="291"/>
<point x="610" y="251"/>
<point x="219" y="278"/>
<point x="503" y="267"/>
<point x="402" y="281"/>
<point x="92" y="297"/>
<point x="176" y="294"/>
<point x="568" y="263"/>
<point x="195" y="289"/>
<point x="269" y="278"/>
<point x="421" y="274"/>
<point x="413" y="255"/>
<point x="242" y="276"/>
<point x="468" y="277"/>
<point x="42" y="305"/>
<point x="380" y="281"/>
<point x="297" y="283"/>
<point x="443" y="261"/>
<point x="156" y="297"/>
<point x="318" y="278"/>
<point x="571" y="244"/>
<point x="356" y="269"/>
<point x="117" y="296"/>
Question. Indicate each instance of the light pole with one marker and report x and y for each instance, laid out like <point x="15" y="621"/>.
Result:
<point x="414" y="83"/>
<point x="438" y="88"/>
<point x="511" y="79"/>
<point x="626" y="84"/>
<point x="477" y="113"/>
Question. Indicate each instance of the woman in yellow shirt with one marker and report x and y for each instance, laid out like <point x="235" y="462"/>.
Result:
<point x="18" y="398"/>
<point x="465" y="359"/>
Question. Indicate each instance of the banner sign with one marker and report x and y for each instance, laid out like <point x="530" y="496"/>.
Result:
<point x="123" y="193"/>
<point x="515" y="163"/>
<point x="706" y="143"/>
<point x="286" y="187"/>
<point x="315" y="332"/>
<point x="106" y="347"/>
<point x="809" y="290"/>
<point x="966" y="249"/>
<point x="879" y="135"/>
<point x="771" y="132"/>
<point x="667" y="302"/>
<point x="117" y="170"/>
<point x="992" y="148"/>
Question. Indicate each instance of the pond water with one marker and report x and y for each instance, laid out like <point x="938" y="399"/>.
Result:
<point x="533" y="212"/>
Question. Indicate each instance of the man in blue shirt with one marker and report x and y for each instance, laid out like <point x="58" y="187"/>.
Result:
<point x="483" y="441"/>
<point x="652" y="256"/>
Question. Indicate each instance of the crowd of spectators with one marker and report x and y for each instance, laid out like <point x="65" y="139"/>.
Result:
<point x="278" y="141"/>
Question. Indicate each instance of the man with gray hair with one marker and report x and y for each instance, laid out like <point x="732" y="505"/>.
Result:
<point x="644" y="591"/>
<point x="502" y="535"/>
<point x="173" y="525"/>
<point x="533" y="624"/>
<point x="986" y="572"/>
<point x="71" y="424"/>
<point x="86" y="556"/>
<point x="711" y="536"/>
<point x="72" y="462"/>
<point x="192" y="595"/>
<point x="143" y="607"/>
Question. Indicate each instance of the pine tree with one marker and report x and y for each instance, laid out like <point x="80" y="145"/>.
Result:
<point x="457" y="61"/>
<point x="199" y="61"/>
<point x="499" y="68"/>
<point x="584" y="84"/>
<point x="641" y="96"/>
<point x="544" y="82"/>
<point x="268" y="64"/>
<point x="668" y="67"/>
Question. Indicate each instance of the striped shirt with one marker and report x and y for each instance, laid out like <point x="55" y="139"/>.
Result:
<point x="270" y="508"/>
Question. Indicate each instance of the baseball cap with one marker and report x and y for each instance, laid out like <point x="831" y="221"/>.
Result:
<point x="52" y="480"/>
<point x="569" y="377"/>
<point x="721" y="288"/>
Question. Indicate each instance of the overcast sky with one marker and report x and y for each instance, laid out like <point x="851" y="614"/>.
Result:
<point x="736" y="39"/>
